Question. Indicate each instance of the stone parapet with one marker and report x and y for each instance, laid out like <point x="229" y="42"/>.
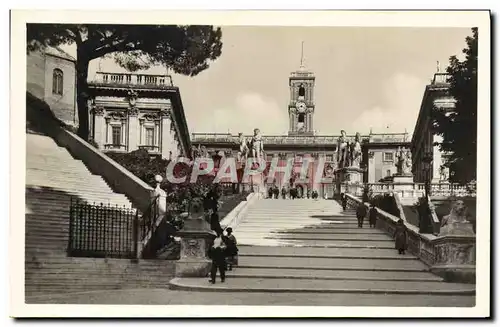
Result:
<point x="452" y="257"/>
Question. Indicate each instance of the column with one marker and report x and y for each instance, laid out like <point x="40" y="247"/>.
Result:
<point x="99" y="127"/>
<point x="133" y="136"/>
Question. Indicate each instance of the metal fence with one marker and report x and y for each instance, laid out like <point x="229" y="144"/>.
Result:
<point x="98" y="230"/>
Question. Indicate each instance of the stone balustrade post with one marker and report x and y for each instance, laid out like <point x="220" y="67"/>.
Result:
<point x="196" y="239"/>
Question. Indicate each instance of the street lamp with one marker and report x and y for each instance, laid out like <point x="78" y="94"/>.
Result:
<point x="428" y="158"/>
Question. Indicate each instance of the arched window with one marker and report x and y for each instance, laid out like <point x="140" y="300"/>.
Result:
<point x="57" y="81"/>
<point x="301" y="118"/>
<point x="302" y="91"/>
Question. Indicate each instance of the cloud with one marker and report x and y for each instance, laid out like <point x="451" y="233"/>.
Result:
<point x="402" y="97"/>
<point x="249" y="111"/>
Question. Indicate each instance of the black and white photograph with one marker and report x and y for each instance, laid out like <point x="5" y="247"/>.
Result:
<point x="233" y="160"/>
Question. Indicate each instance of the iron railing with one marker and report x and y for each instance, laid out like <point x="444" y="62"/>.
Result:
<point x="102" y="231"/>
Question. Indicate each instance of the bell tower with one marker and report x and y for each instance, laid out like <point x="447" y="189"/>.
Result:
<point x="301" y="105"/>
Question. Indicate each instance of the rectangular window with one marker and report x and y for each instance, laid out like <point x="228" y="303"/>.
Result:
<point x="329" y="157"/>
<point x="150" y="136"/>
<point x="116" y="132"/>
<point x="388" y="156"/>
<point x="388" y="173"/>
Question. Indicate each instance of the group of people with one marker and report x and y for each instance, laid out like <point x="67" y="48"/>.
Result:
<point x="224" y="250"/>
<point x="224" y="255"/>
<point x="291" y="193"/>
<point x="400" y="233"/>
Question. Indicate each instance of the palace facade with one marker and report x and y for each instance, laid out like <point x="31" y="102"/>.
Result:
<point x="138" y="111"/>
<point x="379" y="150"/>
<point x="427" y="158"/>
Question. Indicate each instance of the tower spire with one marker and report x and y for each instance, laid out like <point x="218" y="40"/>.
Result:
<point x="302" y="55"/>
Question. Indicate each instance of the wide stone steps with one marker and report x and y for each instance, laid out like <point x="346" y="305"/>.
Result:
<point x="55" y="275"/>
<point x="312" y="247"/>
<point x="285" y="285"/>
<point x="53" y="177"/>
<point x="340" y="263"/>
<point x="338" y="274"/>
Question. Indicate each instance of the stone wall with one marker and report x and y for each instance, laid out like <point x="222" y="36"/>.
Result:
<point x="39" y="78"/>
<point x="63" y="105"/>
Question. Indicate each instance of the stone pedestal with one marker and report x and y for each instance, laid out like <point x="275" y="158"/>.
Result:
<point x="455" y="258"/>
<point x="406" y="180"/>
<point x="196" y="238"/>
<point x="350" y="180"/>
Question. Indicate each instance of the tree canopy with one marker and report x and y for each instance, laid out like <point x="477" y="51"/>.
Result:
<point x="458" y="127"/>
<point x="186" y="50"/>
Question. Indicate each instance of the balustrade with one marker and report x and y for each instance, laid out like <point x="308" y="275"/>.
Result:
<point x="158" y="81"/>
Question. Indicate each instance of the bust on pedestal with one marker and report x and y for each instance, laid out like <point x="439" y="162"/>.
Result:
<point x="196" y="237"/>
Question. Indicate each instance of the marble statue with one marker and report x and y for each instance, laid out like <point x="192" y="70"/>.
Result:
<point x="400" y="160"/>
<point x="443" y="173"/>
<point x="342" y="150"/>
<point x="243" y="150"/>
<point x="355" y="152"/>
<point x="407" y="163"/>
<point x="257" y="144"/>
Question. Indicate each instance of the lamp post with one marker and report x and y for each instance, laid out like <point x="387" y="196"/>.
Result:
<point x="428" y="158"/>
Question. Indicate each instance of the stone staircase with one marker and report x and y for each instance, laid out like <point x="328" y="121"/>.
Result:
<point x="312" y="247"/>
<point x="53" y="176"/>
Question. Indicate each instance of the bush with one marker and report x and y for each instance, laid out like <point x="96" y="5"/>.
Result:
<point x="146" y="167"/>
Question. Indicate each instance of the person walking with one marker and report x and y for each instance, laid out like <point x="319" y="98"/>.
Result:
<point x="283" y="193"/>
<point x="343" y="199"/>
<point x="372" y="216"/>
<point x="231" y="248"/>
<point x="401" y="237"/>
<point x="360" y="214"/>
<point x="217" y="255"/>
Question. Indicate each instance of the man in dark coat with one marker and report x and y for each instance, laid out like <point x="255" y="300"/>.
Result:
<point x="360" y="214"/>
<point x="231" y="248"/>
<point x="276" y="192"/>
<point x="343" y="199"/>
<point x="401" y="237"/>
<point x="217" y="254"/>
<point x="214" y="222"/>
<point x="372" y="214"/>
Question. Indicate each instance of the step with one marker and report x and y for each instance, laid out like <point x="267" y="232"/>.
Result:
<point x="322" y="286"/>
<point x="329" y="237"/>
<point x="242" y="230"/>
<point x="340" y="263"/>
<point x="249" y="240"/>
<point x="320" y="252"/>
<point x="289" y="273"/>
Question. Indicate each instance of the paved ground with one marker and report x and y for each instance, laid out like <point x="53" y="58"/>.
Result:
<point x="166" y="297"/>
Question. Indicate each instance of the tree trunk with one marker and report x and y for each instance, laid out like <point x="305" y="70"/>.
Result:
<point x="82" y="70"/>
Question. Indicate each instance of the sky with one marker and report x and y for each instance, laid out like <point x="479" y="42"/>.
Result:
<point x="366" y="77"/>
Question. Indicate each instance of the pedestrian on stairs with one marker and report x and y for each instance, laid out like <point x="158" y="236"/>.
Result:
<point x="360" y="214"/>
<point x="372" y="216"/>
<point x="283" y="192"/>
<point x="218" y="257"/>
<point x="343" y="199"/>
<point x="231" y="248"/>
<point x="401" y="236"/>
